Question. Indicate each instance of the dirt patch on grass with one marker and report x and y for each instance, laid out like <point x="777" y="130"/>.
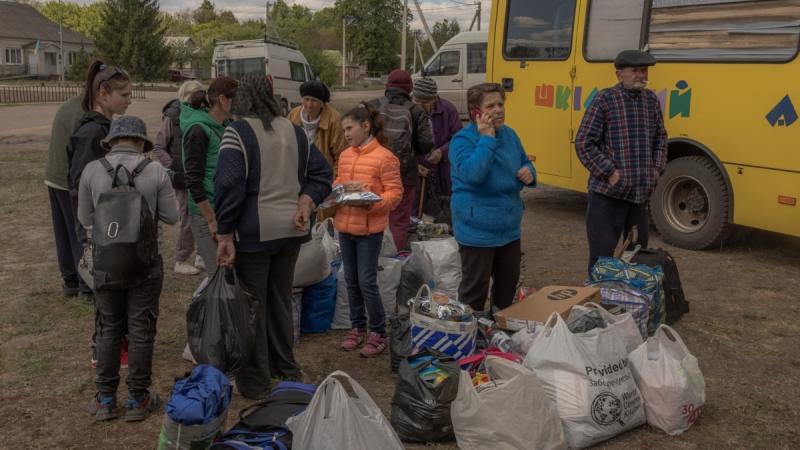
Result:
<point x="743" y="327"/>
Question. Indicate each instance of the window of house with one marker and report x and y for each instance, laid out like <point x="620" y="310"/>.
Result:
<point x="72" y="58"/>
<point x="13" y="56"/>
<point x="613" y="26"/>
<point x="719" y="30"/>
<point x="539" y="29"/>
<point x="445" y="64"/>
<point x="50" y="58"/>
<point x="298" y="71"/>
<point x="476" y="58"/>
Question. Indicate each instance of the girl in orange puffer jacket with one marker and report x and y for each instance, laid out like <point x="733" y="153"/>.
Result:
<point x="365" y="165"/>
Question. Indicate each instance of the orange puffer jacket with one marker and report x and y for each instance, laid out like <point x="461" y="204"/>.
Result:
<point x="379" y="170"/>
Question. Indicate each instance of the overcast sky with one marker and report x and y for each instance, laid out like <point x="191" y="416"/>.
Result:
<point x="434" y="10"/>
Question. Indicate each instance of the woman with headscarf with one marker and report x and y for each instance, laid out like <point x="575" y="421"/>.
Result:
<point x="269" y="179"/>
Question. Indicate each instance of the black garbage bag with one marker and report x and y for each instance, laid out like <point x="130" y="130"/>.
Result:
<point x="400" y="339"/>
<point x="426" y="386"/>
<point x="220" y="322"/>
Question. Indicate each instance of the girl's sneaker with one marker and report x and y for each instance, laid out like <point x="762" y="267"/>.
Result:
<point x="354" y="339"/>
<point x="140" y="405"/>
<point x="376" y="344"/>
<point x="103" y="407"/>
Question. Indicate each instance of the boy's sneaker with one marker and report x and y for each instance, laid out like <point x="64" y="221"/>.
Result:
<point x="376" y="344"/>
<point x="103" y="407"/>
<point x="184" y="268"/>
<point x="198" y="262"/>
<point x="354" y="339"/>
<point x="140" y="405"/>
<point x="123" y="354"/>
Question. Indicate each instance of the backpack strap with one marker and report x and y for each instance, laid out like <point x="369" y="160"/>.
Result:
<point x="107" y="165"/>
<point x="140" y="167"/>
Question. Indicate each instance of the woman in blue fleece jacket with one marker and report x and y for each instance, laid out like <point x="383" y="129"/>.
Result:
<point x="489" y="169"/>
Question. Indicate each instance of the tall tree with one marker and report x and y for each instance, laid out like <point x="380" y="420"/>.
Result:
<point x="205" y="13"/>
<point x="444" y="30"/>
<point x="84" y="19"/>
<point x="374" y="31"/>
<point x="132" y="36"/>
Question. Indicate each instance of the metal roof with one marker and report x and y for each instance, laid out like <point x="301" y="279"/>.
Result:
<point x="22" y="21"/>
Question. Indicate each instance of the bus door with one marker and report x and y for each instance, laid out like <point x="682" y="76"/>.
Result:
<point x="534" y="59"/>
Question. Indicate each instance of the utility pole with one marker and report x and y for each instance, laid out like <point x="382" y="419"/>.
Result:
<point x="266" y="20"/>
<point x="60" y="40"/>
<point x="404" y="36"/>
<point x="425" y="26"/>
<point x="478" y="13"/>
<point x="344" y="51"/>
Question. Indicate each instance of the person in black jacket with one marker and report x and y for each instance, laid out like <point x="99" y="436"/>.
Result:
<point x="107" y="92"/>
<point x="398" y="92"/>
<point x="268" y="181"/>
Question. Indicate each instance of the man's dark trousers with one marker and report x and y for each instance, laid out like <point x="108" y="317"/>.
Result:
<point x="135" y="311"/>
<point x="268" y="275"/>
<point x="609" y="218"/>
<point x="68" y="249"/>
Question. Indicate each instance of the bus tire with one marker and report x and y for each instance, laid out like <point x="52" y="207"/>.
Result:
<point x="284" y="108"/>
<point x="691" y="203"/>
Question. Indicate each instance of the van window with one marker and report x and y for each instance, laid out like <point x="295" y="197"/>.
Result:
<point x="309" y="73"/>
<point x="613" y="26"/>
<point x="765" y="30"/>
<point x="222" y="68"/>
<point x="476" y="58"/>
<point x="444" y="64"/>
<point x="539" y="29"/>
<point x="238" y="67"/>
<point x="298" y="71"/>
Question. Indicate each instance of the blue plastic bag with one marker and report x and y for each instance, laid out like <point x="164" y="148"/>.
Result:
<point x="319" y="304"/>
<point x="199" y="398"/>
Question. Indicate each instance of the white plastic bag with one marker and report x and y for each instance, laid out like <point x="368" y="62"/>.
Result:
<point x="329" y="241"/>
<point x="336" y="421"/>
<point x="389" y="272"/>
<point x="388" y="248"/>
<point x="522" y="340"/>
<point x="671" y="382"/>
<point x="446" y="263"/>
<point x="511" y="412"/>
<point x="624" y="324"/>
<point x="588" y="378"/>
<point x="313" y="264"/>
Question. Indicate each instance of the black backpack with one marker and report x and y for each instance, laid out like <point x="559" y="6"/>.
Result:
<point x="674" y="298"/>
<point x="124" y="231"/>
<point x="398" y="130"/>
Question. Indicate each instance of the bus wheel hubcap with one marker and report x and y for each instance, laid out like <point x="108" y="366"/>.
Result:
<point x="686" y="204"/>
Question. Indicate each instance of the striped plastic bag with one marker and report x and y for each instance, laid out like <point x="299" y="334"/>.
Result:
<point x="640" y="277"/>
<point x="456" y="339"/>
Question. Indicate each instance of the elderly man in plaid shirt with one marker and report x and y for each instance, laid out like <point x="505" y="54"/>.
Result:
<point x="623" y="144"/>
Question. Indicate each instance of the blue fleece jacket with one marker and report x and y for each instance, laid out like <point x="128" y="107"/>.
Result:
<point x="486" y="205"/>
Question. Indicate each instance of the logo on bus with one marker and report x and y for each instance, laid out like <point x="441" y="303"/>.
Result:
<point x="783" y="114"/>
<point x="561" y="97"/>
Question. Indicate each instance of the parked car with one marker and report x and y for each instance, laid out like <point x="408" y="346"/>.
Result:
<point x="278" y="59"/>
<point x="178" y="76"/>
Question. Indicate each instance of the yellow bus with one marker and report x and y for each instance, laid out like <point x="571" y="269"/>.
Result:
<point x="728" y="80"/>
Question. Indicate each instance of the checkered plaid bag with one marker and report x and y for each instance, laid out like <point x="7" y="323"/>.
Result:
<point x="640" y="277"/>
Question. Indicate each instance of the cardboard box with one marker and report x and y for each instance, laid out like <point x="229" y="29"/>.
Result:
<point x="538" y="306"/>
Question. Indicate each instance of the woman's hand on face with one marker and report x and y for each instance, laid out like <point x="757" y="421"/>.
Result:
<point x="524" y="174"/>
<point x="485" y="124"/>
<point x="226" y="250"/>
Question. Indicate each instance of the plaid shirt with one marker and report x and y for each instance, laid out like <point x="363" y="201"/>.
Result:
<point x="623" y="130"/>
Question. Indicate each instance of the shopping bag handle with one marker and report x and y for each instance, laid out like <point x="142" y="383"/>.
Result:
<point x="672" y="336"/>
<point x="419" y="292"/>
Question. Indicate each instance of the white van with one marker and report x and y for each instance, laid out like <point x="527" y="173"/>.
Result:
<point x="458" y="65"/>
<point x="276" y="58"/>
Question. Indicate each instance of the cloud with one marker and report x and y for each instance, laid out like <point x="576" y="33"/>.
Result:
<point x="528" y="22"/>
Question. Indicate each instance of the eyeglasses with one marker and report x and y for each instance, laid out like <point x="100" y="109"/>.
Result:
<point x="105" y="75"/>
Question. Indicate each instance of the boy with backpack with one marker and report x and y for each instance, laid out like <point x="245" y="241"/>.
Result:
<point x="121" y="198"/>
<point x="407" y="129"/>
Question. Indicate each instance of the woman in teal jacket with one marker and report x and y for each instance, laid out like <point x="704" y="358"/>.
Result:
<point x="489" y="169"/>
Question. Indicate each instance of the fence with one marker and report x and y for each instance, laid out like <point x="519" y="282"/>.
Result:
<point x="49" y="93"/>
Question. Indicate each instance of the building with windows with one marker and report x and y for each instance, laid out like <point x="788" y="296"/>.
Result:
<point x="30" y="43"/>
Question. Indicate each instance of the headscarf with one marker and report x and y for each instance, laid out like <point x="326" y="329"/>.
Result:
<point x="255" y="98"/>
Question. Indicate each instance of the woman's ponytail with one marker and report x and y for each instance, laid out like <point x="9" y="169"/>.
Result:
<point x="87" y="102"/>
<point x="365" y="112"/>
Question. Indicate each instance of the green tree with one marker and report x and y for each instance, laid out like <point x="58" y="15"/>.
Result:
<point x="374" y="31"/>
<point x="205" y="13"/>
<point x="226" y="17"/>
<point x="132" y="36"/>
<point x="84" y="19"/>
<point x="444" y="30"/>
<point x="77" y="72"/>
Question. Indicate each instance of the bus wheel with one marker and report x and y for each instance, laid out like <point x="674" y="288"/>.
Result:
<point x="690" y="203"/>
<point x="284" y="108"/>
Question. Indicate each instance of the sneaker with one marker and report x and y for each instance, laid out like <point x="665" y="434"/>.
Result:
<point x="354" y="339"/>
<point x="376" y="344"/>
<point x="198" y="262"/>
<point x="140" y="406"/>
<point x="184" y="268"/>
<point x="123" y="354"/>
<point x="103" y="407"/>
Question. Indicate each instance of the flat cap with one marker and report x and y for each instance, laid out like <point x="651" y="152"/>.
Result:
<point x="633" y="58"/>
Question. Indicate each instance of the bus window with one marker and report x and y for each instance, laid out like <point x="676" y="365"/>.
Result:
<point x="539" y="29"/>
<point x="298" y="71"/>
<point x="445" y="64"/>
<point x="613" y="26"/>
<point x="698" y="30"/>
<point x="476" y="58"/>
<point x="221" y="68"/>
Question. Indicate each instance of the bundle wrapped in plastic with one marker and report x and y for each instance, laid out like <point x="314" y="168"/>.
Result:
<point x="340" y="196"/>
<point x="440" y="306"/>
